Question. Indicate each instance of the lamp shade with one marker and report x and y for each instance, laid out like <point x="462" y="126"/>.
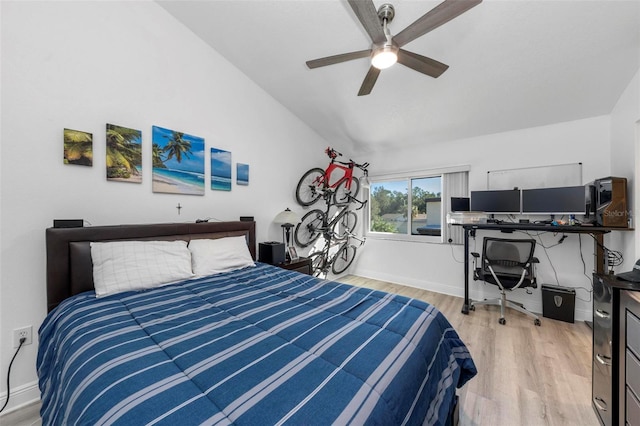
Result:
<point x="286" y="217"/>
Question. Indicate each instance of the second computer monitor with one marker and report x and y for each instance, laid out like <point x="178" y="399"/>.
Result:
<point x="502" y="201"/>
<point x="561" y="200"/>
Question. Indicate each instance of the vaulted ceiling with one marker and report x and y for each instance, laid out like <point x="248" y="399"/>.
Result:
<point x="512" y="64"/>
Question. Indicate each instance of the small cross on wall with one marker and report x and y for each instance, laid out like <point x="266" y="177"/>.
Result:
<point x="179" y="207"/>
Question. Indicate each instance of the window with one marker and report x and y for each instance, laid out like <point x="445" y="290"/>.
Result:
<point x="412" y="206"/>
<point x="396" y="210"/>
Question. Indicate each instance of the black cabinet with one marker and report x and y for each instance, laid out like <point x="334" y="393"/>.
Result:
<point x="616" y="351"/>
<point x="604" y="378"/>
<point x="629" y="350"/>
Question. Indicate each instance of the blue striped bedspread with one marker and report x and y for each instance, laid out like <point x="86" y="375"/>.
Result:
<point x="257" y="346"/>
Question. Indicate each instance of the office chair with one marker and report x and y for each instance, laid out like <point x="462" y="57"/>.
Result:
<point x="509" y="264"/>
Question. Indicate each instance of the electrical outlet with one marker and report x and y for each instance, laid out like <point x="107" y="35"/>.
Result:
<point x="19" y="333"/>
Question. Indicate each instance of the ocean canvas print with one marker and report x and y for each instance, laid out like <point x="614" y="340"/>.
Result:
<point x="78" y="147"/>
<point x="242" y="174"/>
<point x="178" y="162"/>
<point x="124" y="154"/>
<point x="220" y="170"/>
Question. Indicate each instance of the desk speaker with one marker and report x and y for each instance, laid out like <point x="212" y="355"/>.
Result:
<point x="271" y="252"/>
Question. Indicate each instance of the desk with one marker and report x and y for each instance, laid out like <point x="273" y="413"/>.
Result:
<point x="596" y="231"/>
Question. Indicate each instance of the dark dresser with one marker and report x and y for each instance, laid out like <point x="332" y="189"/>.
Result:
<point x="629" y="345"/>
<point x="302" y="264"/>
<point x="616" y="351"/>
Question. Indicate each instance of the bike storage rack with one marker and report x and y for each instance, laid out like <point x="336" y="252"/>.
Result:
<point x="336" y="223"/>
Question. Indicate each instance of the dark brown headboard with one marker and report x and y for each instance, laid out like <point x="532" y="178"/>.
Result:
<point x="69" y="266"/>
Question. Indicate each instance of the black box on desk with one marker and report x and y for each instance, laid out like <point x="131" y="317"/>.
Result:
<point x="271" y="252"/>
<point x="558" y="302"/>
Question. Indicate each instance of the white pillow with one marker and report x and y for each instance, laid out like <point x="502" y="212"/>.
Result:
<point x="135" y="265"/>
<point x="210" y="257"/>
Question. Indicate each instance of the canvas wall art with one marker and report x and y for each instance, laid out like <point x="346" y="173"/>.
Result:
<point x="78" y="147"/>
<point x="220" y="170"/>
<point x="124" y="154"/>
<point x="178" y="162"/>
<point x="242" y="174"/>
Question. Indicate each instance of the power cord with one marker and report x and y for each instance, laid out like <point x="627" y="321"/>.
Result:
<point x="584" y="271"/>
<point x="538" y="235"/>
<point x="614" y="257"/>
<point x="453" y="255"/>
<point x="22" y="340"/>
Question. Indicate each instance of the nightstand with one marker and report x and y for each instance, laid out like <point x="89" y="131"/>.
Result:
<point x="302" y="264"/>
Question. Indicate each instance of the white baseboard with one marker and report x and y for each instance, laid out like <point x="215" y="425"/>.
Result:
<point x="458" y="291"/>
<point x="20" y="397"/>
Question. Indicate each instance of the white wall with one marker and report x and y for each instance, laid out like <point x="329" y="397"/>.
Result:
<point x="624" y="162"/>
<point x="81" y="65"/>
<point x="439" y="267"/>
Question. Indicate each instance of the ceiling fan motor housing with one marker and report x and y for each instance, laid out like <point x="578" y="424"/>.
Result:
<point x="386" y="11"/>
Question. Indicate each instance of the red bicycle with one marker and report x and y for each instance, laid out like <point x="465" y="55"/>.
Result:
<point x="315" y="182"/>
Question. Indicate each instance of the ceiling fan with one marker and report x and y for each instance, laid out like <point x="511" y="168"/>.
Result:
<point x="387" y="50"/>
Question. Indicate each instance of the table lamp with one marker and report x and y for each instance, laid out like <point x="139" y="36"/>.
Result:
<point x="287" y="219"/>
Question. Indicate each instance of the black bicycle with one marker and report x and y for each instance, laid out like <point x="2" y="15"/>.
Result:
<point x="334" y="222"/>
<point x="336" y="255"/>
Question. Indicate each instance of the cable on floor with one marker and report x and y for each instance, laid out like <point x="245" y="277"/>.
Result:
<point x="22" y="340"/>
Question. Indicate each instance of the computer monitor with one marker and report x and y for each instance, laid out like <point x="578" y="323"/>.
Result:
<point x="502" y="201"/>
<point x="561" y="200"/>
<point x="460" y="204"/>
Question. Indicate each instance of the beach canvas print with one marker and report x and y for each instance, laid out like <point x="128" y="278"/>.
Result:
<point x="124" y="154"/>
<point x="220" y="170"/>
<point x="242" y="174"/>
<point x="78" y="147"/>
<point x="178" y="162"/>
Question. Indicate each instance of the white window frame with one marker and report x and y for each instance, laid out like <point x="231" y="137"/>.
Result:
<point x="408" y="176"/>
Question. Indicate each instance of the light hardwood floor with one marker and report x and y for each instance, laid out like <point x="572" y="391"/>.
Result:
<point x="527" y="375"/>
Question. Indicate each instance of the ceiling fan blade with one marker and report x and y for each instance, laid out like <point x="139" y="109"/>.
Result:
<point x="368" y="16"/>
<point x="336" y="59"/>
<point x="431" y="20"/>
<point x="369" y="81"/>
<point x="422" y="64"/>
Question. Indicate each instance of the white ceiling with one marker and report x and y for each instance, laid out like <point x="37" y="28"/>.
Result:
<point x="513" y="64"/>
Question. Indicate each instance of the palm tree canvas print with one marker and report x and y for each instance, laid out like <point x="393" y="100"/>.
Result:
<point x="78" y="147"/>
<point x="242" y="174"/>
<point x="124" y="154"/>
<point x="178" y="162"/>
<point x="220" y="169"/>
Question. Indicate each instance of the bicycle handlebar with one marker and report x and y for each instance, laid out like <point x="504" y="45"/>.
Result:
<point x="333" y="154"/>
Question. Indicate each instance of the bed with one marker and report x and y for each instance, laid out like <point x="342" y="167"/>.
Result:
<point x="257" y="345"/>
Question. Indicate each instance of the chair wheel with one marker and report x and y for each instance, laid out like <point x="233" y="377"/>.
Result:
<point x="537" y="322"/>
<point x="472" y="307"/>
<point x="502" y="321"/>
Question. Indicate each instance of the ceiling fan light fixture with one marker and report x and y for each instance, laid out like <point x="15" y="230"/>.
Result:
<point x="384" y="57"/>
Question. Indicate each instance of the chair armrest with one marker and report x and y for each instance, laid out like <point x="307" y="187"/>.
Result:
<point x="474" y="254"/>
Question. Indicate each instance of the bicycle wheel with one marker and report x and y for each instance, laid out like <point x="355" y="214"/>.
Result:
<point x="343" y="258"/>
<point x="309" y="187"/>
<point x="309" y="228"/>
<point x="345" y="224"/>
<point x="340" y="196"/>
<point x="318" y="263"/>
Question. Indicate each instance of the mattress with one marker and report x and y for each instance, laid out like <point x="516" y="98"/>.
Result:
<point x="257" y="346"/>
